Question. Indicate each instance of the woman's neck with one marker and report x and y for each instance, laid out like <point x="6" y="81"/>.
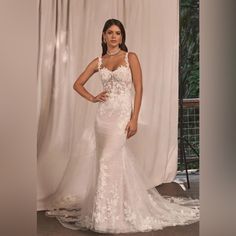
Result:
<point x="113" y="50"/>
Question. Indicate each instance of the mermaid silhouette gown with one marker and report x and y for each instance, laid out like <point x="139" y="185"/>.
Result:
<point x="117" y="200"/>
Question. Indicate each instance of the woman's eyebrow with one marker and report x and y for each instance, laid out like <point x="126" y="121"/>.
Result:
<point x="114" y="31"/>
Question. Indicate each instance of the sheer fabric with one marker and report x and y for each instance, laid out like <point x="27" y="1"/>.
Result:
<point x="70" y="37"/>
<point x="117" y="200"/>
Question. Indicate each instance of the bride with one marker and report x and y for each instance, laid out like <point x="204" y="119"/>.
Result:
<point x="117" y="200"/>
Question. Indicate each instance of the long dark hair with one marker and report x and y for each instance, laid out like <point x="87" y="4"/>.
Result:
<point x="107" y="25"/>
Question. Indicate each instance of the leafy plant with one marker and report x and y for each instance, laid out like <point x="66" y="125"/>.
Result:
<point x="189" y="49"/>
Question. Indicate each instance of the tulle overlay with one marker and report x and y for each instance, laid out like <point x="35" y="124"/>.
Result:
<point x="116" y="199"/>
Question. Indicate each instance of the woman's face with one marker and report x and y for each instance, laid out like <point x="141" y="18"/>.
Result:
<point x="113" y="36"/>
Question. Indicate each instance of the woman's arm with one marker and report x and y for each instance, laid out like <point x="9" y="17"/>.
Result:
<point x="83" y="78"/>
<point x="138" y="86"/>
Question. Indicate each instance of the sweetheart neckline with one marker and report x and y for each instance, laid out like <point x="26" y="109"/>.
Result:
<point x="112" y="71"/>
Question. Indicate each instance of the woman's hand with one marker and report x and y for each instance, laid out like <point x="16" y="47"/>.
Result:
<point x="131" y="128"/>
<point x="101" y="97"/>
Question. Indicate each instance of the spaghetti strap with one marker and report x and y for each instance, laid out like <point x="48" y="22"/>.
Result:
<point x="126" y="59"/>
<point x="99" y="62"/>
<point x="107" y="206"/>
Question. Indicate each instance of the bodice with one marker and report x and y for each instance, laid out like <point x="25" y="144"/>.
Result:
<point x="117" y="82"/>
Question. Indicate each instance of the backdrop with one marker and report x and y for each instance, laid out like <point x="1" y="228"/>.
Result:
<point x="70" y="37"/>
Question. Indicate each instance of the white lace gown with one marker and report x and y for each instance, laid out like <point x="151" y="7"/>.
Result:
<point x="117" y="200"/>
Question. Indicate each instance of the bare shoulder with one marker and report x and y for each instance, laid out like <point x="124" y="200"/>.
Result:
<point x="133" y="58"/>
<point x="94" y="62"/>
<point x="132" y="54"/>
<point x="93" y="65"/>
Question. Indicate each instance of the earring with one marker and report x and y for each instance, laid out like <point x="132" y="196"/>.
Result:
<point x="104" y="40"/>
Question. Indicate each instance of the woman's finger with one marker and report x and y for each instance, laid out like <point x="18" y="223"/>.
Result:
<point x="127" y="127"/>
<point x="103" y="96"/>
<point x="132" y="132"/>
<point x="100" y="100"/>
<point x="104" y="92"/>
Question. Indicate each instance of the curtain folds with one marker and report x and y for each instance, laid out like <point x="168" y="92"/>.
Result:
<point x="70" y="37"/>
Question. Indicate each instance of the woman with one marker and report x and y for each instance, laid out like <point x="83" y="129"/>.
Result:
<point x="114" y="56"/>
<point x="117" y="200"/>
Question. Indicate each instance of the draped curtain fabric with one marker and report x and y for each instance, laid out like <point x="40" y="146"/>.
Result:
<point x="70" y="37"/>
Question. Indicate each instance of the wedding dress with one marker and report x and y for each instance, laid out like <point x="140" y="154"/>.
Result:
<point x="117" y="200"/>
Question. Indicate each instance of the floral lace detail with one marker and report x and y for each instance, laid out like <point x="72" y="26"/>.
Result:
<point x="140" y="222"/>
<point x="118" y="84"/>
<point x="106" y="201"/>
<point x="116" y="200"/>
<point x="68" y="202"/>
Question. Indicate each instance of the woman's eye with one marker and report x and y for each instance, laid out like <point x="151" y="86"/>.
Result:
<point x="110" y="32"/>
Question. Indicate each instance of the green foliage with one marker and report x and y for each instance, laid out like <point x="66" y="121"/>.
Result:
<point x="189" y="48"/>
<point x="192" y="165"/>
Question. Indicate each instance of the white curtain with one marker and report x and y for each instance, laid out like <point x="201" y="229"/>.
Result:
<point x="70" y="37"/>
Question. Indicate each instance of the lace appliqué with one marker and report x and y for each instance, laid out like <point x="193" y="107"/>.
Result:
<point x="139" y="222"/>
<point x="118" y="84"/>
<point x="106" y="199"/>
<point x="145" y="222"/>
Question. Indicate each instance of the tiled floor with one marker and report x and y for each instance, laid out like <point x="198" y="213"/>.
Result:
<point x="51" y="227"/>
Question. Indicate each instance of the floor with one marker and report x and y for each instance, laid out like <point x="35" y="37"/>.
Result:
<point x="51" y="227"/>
